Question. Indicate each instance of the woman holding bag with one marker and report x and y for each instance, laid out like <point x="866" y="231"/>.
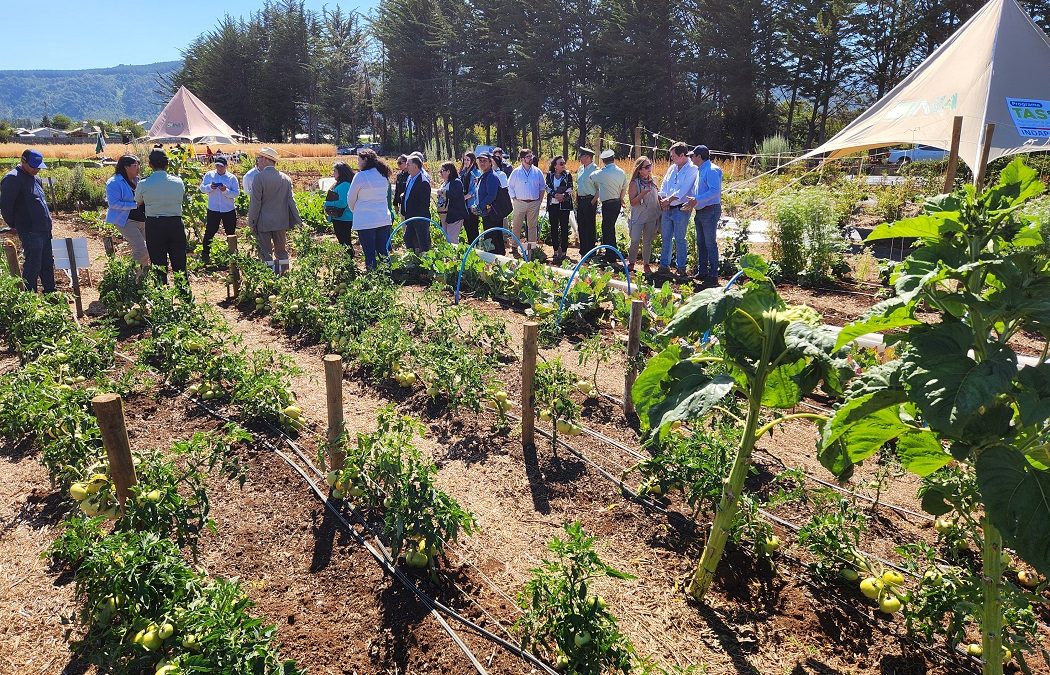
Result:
<point x="559" y="206"/>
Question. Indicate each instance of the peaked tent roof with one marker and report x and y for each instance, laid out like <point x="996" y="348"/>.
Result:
<point x="993" y="69"/>
<point x="186" y="118"/>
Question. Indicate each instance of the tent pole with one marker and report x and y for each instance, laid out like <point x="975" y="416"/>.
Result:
<point x="953" y="156"/>
<point x="982" y="165"/>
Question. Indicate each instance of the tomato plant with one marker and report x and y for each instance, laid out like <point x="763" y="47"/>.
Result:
<point x="552" y="390"/>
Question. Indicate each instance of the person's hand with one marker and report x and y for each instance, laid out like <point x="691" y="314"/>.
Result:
<point x="223" y="188"/>
<point x="595" y="200"/>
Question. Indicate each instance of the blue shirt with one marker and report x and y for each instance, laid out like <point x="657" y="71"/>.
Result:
<point x="341" y="190"/>
<point x="22" y="202"/>
<point x="162" y="194"/>
<point x="470" y="185"/>
<point x="488" y="188"/>
<point x="708" y="185"/>
<point x="217" y="199"/>
<point x="121" y="199"/>
<point x="679" y="183"/>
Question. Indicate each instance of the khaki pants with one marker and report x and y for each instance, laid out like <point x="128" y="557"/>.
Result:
<point x="530" y="213"/>
<point x="134" y="232"/>
<point x="643" y="229"/>
<point x="452" y="230"/>
<point x="273" y="250"/>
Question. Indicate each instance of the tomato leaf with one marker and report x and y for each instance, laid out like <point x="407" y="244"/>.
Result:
<point x="1017" y="497"/>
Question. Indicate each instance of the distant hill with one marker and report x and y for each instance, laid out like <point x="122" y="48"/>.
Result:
<point x="98" y="93"/>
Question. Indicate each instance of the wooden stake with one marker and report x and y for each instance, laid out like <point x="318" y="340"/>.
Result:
<point x="333" y="380"/>
<point x="109" y="409"/>
<point x="982" y="165"/>
<point x="235" y="274"/>
<point x="12" y="259"/>
<point x="74" y="277"/>
<point x="107" y="243"/>
<point x="953" y="155"/>
<point x="637" y="152"/>
<point x="634" y="342"/>
<point x="528" y="374"/>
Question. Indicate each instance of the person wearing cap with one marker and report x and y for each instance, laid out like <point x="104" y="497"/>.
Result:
<point x="272" y="211"/>
<point x="124" y="212"/>
<point x="527" y="188"/>
<point x="161" y="194"/>
<point x="586" y="215"/>
<point x="222" y="189"/>
<point x="707" y="200"/>
<point x="24" y="207"/>
<point x="676" y="191"/>
<point x="610" y="185"/>
<point x="488" y="191"/>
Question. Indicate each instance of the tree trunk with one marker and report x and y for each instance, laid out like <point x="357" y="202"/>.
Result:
<point x="565" y="135"/>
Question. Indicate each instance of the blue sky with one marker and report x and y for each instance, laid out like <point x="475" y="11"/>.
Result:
<point x="75" y="34"/>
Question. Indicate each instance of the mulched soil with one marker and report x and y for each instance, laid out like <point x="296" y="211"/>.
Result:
<point x="336" y="612"/>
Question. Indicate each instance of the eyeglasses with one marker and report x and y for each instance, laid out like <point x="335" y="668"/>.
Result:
<point x="646" y="166"/>
<point x="559" y="164"/>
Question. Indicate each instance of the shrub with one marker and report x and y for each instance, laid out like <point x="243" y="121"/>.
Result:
<point x="773" y="150"/>
<point x="807" y="244"/>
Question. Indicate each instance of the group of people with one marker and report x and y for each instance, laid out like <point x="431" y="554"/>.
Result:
<point x="479" y="195"/>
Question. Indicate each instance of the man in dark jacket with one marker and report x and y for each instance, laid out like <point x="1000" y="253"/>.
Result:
<point x="23" y="207"/>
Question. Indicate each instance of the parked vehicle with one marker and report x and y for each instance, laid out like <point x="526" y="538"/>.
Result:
<point x="901" y="157"/>
<point x="346" y="150"/>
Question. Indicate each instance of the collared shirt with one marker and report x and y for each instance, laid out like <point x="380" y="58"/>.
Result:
<point x="609" y="183"/>
<point x="162" y="194"/>
<point x="217" y="199"/>
<point x="408" y="189"/>
<point x="249" y="176"/>
<point x="708" y="185"/>
<point x="679" y="184"/>
<point x="584" y="188"/>
<point x="526" y="184"/>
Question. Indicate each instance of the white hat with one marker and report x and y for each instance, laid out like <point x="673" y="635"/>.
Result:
<point x="269" y="153"/>
<point x="608" y="154"/>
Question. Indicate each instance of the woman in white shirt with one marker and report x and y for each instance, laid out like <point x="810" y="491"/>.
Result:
<point x="367" y="199"/>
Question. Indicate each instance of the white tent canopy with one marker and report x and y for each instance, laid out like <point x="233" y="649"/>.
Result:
<point x="995" y="68"/>
<point x="186" y="119"/>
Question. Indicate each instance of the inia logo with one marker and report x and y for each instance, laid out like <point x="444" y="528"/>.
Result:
<point x="923" y="107"/>
<point x="174" y="125"/>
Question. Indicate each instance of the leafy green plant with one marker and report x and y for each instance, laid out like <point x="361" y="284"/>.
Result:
<point x="552" y="389"/>
<point x="807" y="244"/>
<point x="958" y="391"/>
<point x="569" y="624"/>
<point x="772" y="355"/>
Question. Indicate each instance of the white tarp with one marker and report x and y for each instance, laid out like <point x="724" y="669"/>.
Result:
<point x="186" y="119"/>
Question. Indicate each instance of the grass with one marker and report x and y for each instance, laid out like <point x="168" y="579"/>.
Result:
<point x="87" y="150"/>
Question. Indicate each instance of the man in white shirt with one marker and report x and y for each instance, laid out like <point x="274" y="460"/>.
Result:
<point x="527" y="187"/>
<point x="676" y="194"/>
<point x="249" y="177"/>
<point x="222" y="190"/>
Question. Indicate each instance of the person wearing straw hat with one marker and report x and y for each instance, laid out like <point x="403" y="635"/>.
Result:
<point x="707" y="200"/>
<point x="272" y="211"/>
<point x="676" y="190"/>
<point x="586" y="221"/>
<point x="610" y="186"/>
<point x="24" y="207"/>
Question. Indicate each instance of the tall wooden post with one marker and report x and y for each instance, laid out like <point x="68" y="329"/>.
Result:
<point x="107" y="243"/>
<point x="333" y="380"/>
<point x="12" y="259"/>
<point x="528" y="374"/>
<point x="109" y="409"/>
<point x="953" y="155"/>
<point x="634" y="342"/>
<point x="637" y="142"/>
<point x="74" y="277"/>
<point x="235" y="274"/>
<point x="982" y="164"/>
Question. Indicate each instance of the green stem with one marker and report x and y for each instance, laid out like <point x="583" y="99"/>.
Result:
<point x="727" y="507"/>
<point x="992" y="613"/>
<point x="795" y="416"/>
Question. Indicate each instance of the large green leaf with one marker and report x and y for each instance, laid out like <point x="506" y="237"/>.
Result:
<point x="818" y="343"/>
<point x="1017" y="499"/>
<point x="896" y="312"/>
<point x="690" y="398"/>
<point x="744" y="328"/>
<point x="1017" y="183"/>
<point x="1033" y="394"/>
<point x="646" y="391"/>
<point x="788" y="383"/>
<point x="703" y="312"/>
<point x="921" y="227"/>
<point x="921" y="452"/>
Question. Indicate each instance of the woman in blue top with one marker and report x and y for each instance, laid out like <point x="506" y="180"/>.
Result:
<point x="469" y="175"/>
<point x="124" y="212"/>
<point x="335" y="206"/>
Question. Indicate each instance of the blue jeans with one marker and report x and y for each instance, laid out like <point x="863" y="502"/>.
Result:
<point x="373" y="243"/>
<point x="672" y="229"/>
<point x="39" y="260"/>
<point x="706" y="243"/>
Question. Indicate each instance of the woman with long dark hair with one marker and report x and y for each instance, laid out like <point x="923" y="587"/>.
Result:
<point x="341" y="217"/>
<point x="559" y="206"/>
<point x="469" y="175"/>
<point x="368" y="200"/>
<point x="124" y="212"/>
<point x="451" y="204"/>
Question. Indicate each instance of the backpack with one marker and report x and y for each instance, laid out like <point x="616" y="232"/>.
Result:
<point x="502" y="206"/>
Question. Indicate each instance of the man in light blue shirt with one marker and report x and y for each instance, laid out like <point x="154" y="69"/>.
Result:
<point x="586" y="211"/>
<point x="707" y="200"/>
<point x="162" y="195"/>
<point x="676" y="191"/>
<point x="222" y="190"/>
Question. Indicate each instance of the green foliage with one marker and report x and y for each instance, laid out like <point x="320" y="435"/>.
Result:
<point x="773" y="151"/>
<point x="311" y="210"/>
<point x="807" y="244"/>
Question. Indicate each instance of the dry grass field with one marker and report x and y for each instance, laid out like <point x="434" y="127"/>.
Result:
<point x="87" y="150"/>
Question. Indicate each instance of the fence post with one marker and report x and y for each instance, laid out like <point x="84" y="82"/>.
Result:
<point x="528" y="373"/>
<point x="953" y="155"/>
<point x="107" y="243"/>
<point x="235" y="274"/>
<point x="109" y="409"/>
<point x="12" y="259"/>
<point x="333" y="380"/>
<point x="74" y="277"/>
<point x="634" y="341"/>
<point x="637" y="151"/>
<point x="982" y="165"/>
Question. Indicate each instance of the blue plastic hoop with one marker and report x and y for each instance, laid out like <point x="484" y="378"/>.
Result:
<point x="565" y="293"/>
<point x="463" y="263"/>
<point x="406" y="222"/>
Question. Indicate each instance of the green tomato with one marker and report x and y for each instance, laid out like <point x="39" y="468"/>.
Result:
<point x="892" y="578"/>
<point x="890" y="604"/>
<point x="165" y="631"/>
<point x="849" y="574"/>
<point x="871" y="587"/>
<point x="581" y="639"/>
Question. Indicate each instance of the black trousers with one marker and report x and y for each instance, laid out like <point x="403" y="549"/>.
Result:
<point x="344" y="230"/>
<point x="559" y="221"/>
<point x="166" y="241"/>
<point x="470" y="224"/>
<point x="610" y="214"/>
<point x="585" y="221"/>
<point x="495" y="237"/>
<point x="228" y="220"/>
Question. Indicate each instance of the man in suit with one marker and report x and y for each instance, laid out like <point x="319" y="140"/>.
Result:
<point x="272" y="211"/>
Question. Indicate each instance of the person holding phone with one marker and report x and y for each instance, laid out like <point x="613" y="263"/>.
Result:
<point x="222" y="189"/>
<point x="645" y="218"/>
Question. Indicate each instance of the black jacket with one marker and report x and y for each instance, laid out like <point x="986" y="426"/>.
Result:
<point x="22" y="202"/>
<point x="457" y="205"/>
<point x="400" y="181"/>
<point x="565" y="188"/>
<point x="417" y="203"/>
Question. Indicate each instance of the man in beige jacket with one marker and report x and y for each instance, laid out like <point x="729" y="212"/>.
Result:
<point x="272" y="211"/>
